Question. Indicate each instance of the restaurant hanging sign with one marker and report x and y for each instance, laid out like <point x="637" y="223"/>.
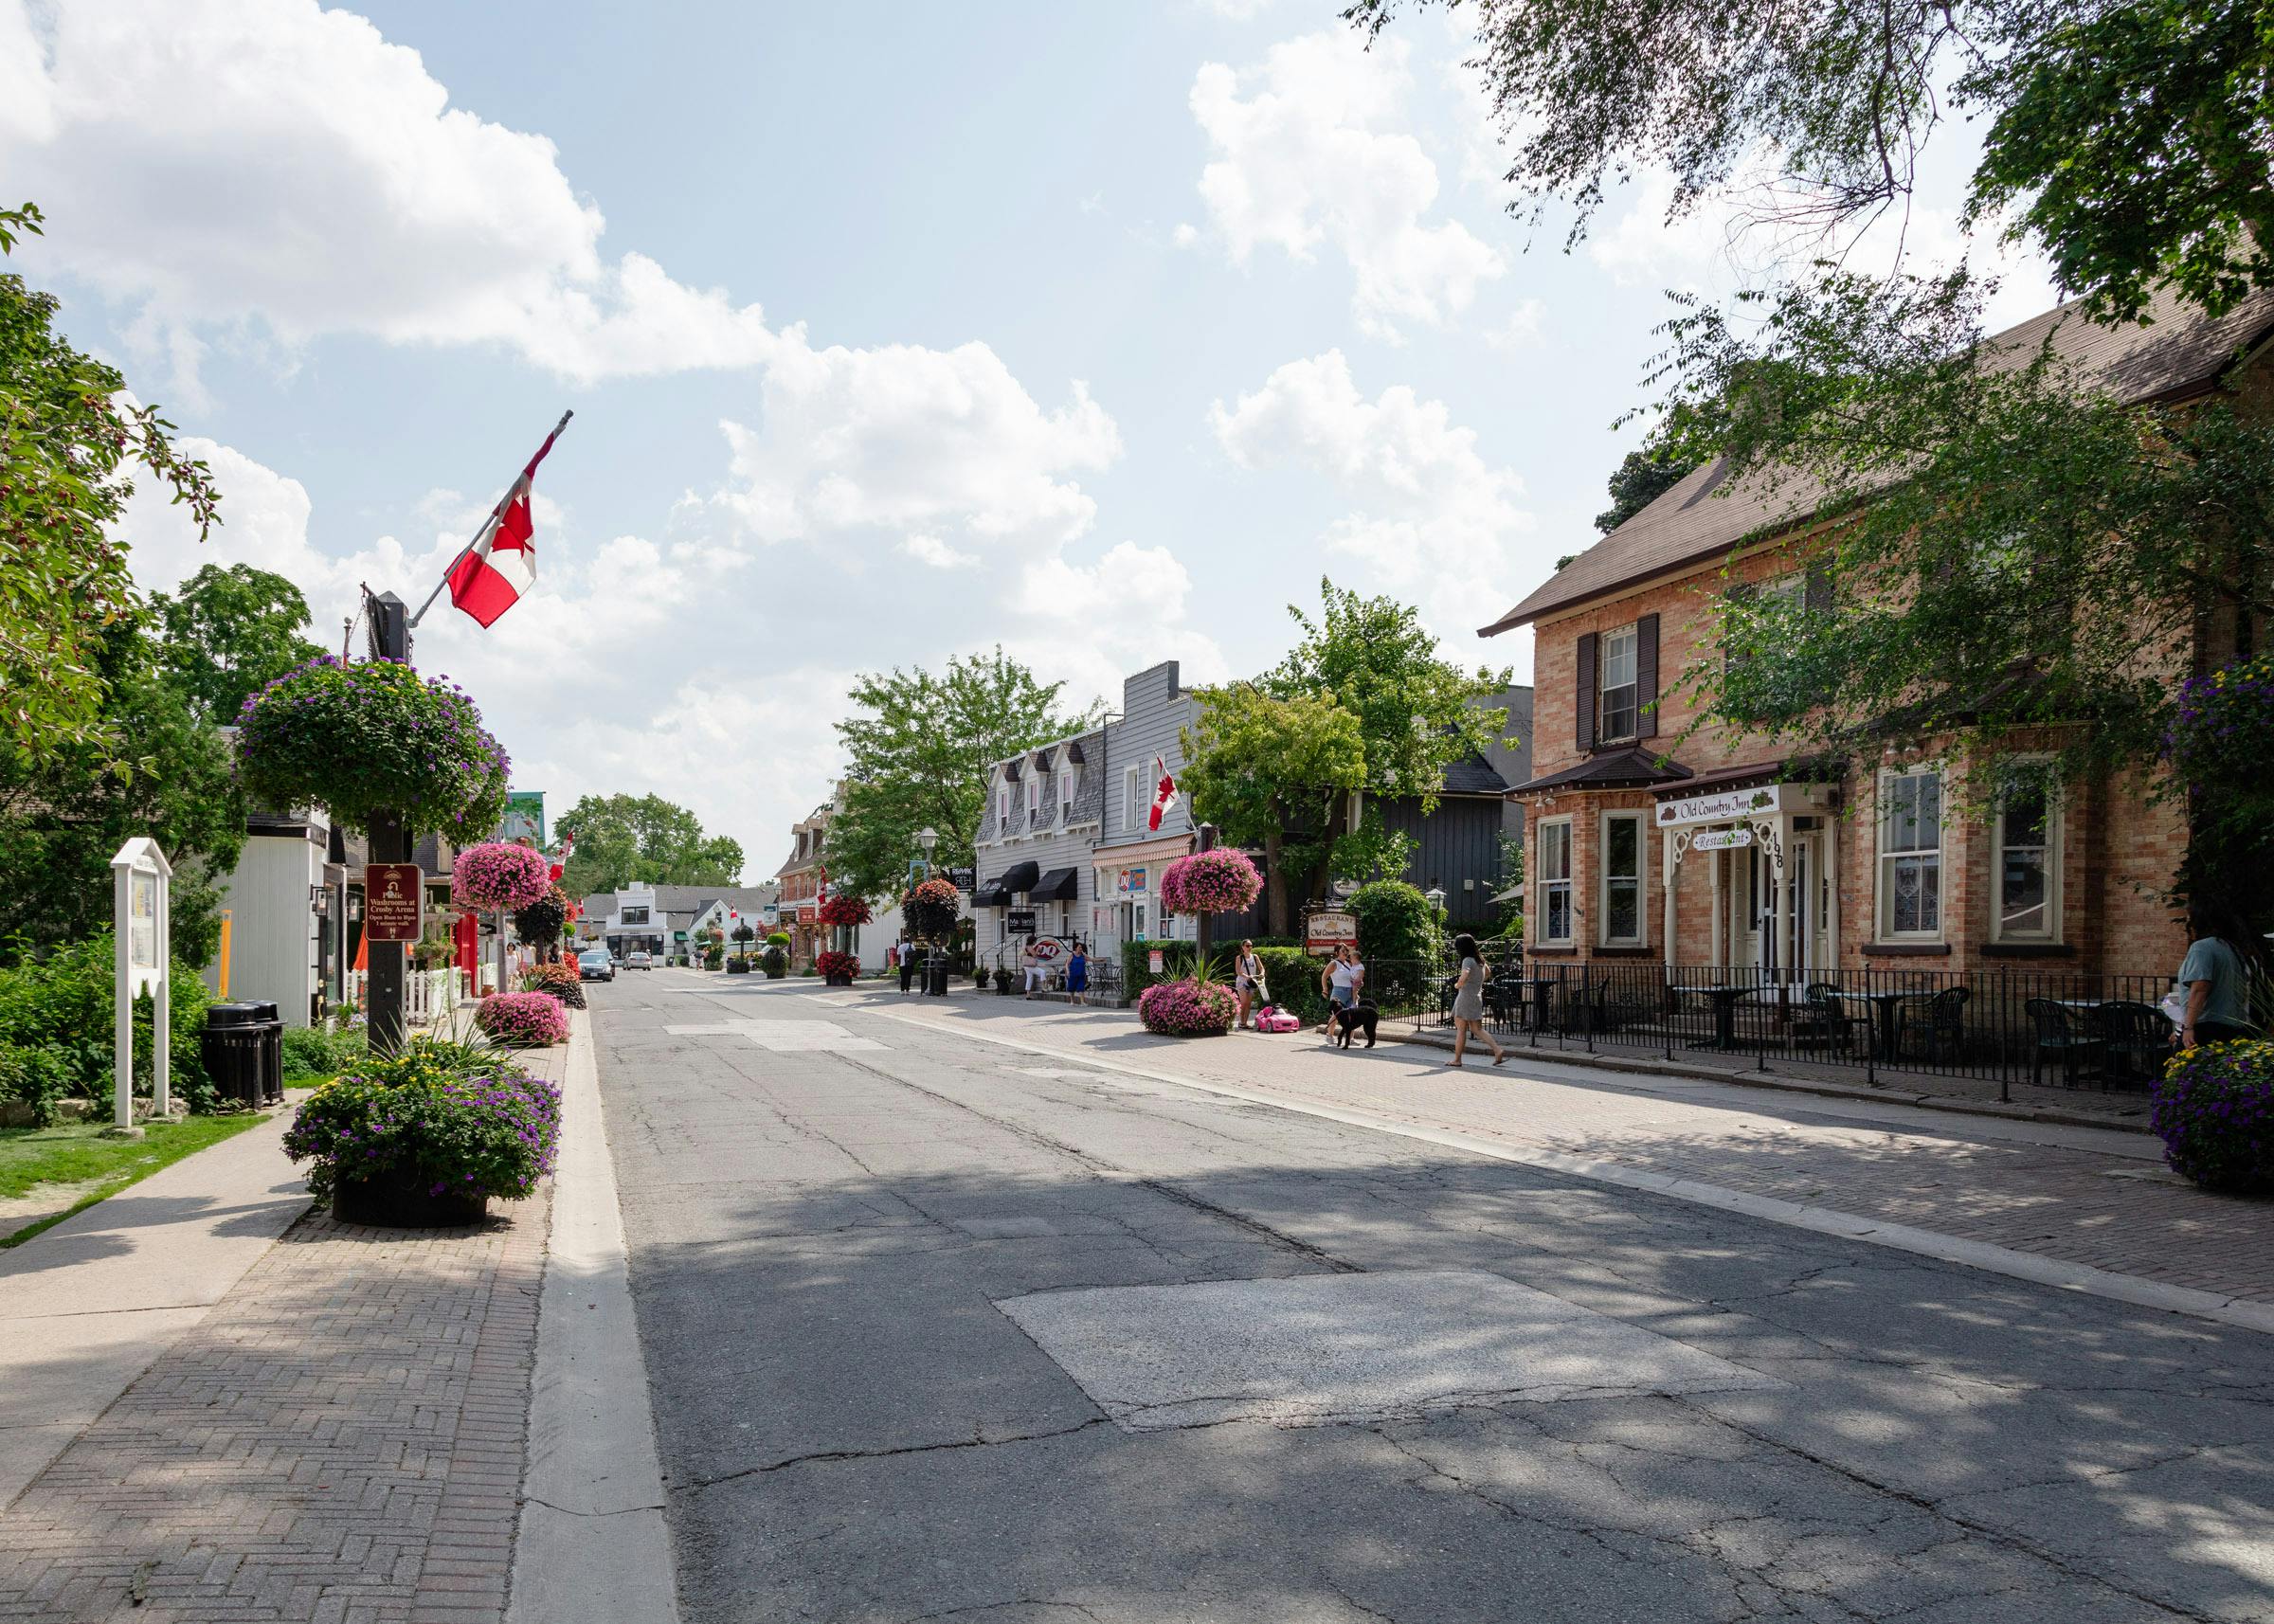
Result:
<point x="1721" y="839"/>
<point x="1720" y="807"/>
<point x="1326" y="929"/>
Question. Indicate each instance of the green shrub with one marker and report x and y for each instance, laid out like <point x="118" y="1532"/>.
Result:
<point x="37" y="1079"/>
<point x="1394" y="922"/>
<point x="778" y="939"/>
<point x="63" y="1003"/>
<point x="311" y="1052"/>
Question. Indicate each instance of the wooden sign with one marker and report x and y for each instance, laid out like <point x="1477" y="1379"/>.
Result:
<point x="394" y="896"/>
<point x="1721" y="839"/>
<point x="1326" y="929"/>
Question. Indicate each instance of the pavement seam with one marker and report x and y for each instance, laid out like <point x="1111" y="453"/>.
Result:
<point x="1984" y="1255"/>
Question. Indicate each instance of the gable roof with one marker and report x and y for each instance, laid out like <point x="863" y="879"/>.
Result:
<point x="2179" y="356"/>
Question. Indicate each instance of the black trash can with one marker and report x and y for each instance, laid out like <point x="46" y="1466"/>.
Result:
<point x="272" y="1055"/>
<point x="935" y="975"/>
<point x="231" y="1046"/>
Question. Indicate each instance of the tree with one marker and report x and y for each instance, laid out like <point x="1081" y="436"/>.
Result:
<point x="917" y="753"/>
<point x="1641" y="478"/>
<point x="67" y="434"/>
<point x="2131" y="135"/>
<point x="64" y="815"/>
<point x="1273" y="773"/>
<point x="227" y="633"/>
<point x="1415" y="714"/>
<point x="621" y="839"/>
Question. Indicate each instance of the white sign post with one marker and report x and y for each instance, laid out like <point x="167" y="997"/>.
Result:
<point x="142" y="881"/>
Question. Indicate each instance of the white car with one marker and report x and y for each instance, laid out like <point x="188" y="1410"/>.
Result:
<point x="638" y="960"/>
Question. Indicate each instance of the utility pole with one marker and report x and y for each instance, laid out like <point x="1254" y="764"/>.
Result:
<point x="391" y="844"/>
<point x="1199" y="967"/>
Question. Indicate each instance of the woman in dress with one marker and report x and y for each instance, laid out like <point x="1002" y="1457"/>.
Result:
<point x="1077" y="973"/>
<point x="1246" y="980"/>
<point x="1469" y="1001"/>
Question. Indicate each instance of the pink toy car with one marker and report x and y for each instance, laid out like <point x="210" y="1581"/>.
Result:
<point x="1272" y="1019"/>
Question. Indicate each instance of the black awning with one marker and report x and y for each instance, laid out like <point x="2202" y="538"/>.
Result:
<point x="990" y="897"/>
<point x="1020" y="877"/>
<point x="1058" y="885"/>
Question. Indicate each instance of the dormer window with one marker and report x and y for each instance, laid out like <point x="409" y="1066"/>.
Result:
<point x="1065" y="793"/>
<point x="1034" y="794"/>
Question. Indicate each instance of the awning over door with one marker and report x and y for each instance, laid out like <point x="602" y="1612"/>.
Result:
<point x="990" y="895"/>
<point x="1020" y="877"/>
<point x="1058" y="885"/>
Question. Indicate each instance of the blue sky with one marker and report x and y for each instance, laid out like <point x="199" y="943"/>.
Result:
<point x="892" y="333"/>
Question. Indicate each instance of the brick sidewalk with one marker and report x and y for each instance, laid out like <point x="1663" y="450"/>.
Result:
<point x="2056" y="1195"/>
<point x="340" y="1441"/>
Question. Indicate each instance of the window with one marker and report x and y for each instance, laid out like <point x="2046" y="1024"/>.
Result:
<point x="1619" y="706"/>
<point x="1002" y="808"/>
<point x="1555" y="880"/>
<point x="1128" y="799"/>
<point x="1034" y="793"/>
<point x="1065" y="793"/>
<point x="1910" y="855"/>
<point x="634" y="916"/>
<point x="1622" y="879"/>
<point x="2029" y="865"/>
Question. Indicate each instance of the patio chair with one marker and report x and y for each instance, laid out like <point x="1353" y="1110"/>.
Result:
<point x="2057" y="1034"/>
<point x="1821" y="1021"/>
<point x="2136" y="1041"/>
<point x="1939" y="1024"/>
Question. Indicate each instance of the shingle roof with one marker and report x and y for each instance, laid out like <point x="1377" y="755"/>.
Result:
<point x="1627" y="768"/>
<point x="1473" y="775"/>
<point x="2178" y="355"/>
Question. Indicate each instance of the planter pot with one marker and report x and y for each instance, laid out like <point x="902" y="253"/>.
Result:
<point x="836" y="980"/>
<point x="775" y="975"/>
<point x="399" y="1202"/>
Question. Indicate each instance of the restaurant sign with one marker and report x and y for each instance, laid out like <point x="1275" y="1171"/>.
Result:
<point x="1718" y="807"/>
<point x="1720" y="839"/>
<point x="1326" y="929"/>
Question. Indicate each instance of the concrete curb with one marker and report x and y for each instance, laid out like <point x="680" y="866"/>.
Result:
<point x="591" y="1544"/>
<point x="1642" y="1065"/>
<point x="2242" y="1313"/>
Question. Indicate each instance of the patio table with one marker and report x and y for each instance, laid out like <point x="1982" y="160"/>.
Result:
<point x="1725" y="999"/>
<point x="1886" y="1039"/>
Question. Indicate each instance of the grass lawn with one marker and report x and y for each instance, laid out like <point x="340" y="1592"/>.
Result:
<point x="75" y="1153"/>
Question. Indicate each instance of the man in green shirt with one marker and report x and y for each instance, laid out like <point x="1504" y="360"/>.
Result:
<point x="2217" y="983"/>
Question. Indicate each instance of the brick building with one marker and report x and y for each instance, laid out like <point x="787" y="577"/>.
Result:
<point x="1714" y="848"/>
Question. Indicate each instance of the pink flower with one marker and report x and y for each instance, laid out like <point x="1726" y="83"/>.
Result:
<point x="496" y="874"/>
<point x="1217" y="881"/>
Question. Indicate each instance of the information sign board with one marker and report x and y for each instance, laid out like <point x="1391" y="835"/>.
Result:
<point x="1020" y="922"/>
<point x="394" y="898"/>
<point x="1328" y="929"/>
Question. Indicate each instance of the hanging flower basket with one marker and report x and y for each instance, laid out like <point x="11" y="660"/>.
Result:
<point x="541" y="921"/>
<point x="496" y="874"/>
<point x="1219" y="881"/>
<point x="372" y="737"/>
<point x="931" y="910"/>
<point x="844" y="911"/>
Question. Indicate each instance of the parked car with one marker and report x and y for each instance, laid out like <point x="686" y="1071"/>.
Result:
<point x="597" y="965"/>
<point x="638" y="960"/>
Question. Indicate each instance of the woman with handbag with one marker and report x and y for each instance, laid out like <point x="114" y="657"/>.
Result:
<point x="1247" y="980"/>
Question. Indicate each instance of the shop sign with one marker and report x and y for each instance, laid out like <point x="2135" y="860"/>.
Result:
<point x="1153" y="962"/>
<point x="1715" y="808"/>
<point x="1043" y="949"/>
<point x="394" y="898"/>
<point x="1019" y="922"/>
<point x="1720" y="839"/>
<point x="1130" y="882"/>
<point x="1328" y="929"/>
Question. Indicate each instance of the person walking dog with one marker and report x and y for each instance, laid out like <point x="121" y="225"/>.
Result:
<point x="1469" y="1001"/>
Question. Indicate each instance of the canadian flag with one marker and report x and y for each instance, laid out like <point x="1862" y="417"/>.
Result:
<point x="491" y="575"/>
<point x="1164" y="793"/>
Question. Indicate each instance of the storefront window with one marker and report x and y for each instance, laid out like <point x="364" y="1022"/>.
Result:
<point x="1555" y="880"/>
<point x="2029" y="865"/>
<point x="1622" y="879"/>
<point x="1910" y="855"/>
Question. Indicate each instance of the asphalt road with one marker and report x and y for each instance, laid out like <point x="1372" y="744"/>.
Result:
<point x="935" y="1328"/>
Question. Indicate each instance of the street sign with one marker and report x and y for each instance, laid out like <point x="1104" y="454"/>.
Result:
<point x="1019" y="922"/>
<point x="394" y="898"/>
<point x="1720" y="839"/>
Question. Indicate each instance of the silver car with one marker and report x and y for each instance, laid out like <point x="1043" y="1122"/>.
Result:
<point x="638" y="960"/>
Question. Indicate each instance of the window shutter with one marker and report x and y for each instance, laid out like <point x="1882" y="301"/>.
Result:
<point x="1819" y="589"/>
<point x="1646" y="676"/>
<point x="1589" y="676"/>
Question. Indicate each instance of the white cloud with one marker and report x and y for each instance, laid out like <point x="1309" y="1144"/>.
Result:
<point x="932" y="551"/>
<point x="266" y="169"/>
<point x="1521" y="328"/>
<point x="904" y="438"/>
<point x="1319" y="152"/>
<point x="1431" y="520"/>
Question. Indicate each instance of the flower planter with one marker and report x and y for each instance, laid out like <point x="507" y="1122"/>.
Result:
<point x="837" y="977"/>
<point x="398" y="1200"/>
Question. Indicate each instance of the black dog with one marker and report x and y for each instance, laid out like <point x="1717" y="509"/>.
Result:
<point x="1348" y="1022"/>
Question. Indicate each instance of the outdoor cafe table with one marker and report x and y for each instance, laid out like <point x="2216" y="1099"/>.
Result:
<point x="1725" y="1001"/>
<point x="1886" y="1033"/>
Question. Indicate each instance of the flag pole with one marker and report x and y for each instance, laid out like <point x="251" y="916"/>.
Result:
<point x="487" y="525"/>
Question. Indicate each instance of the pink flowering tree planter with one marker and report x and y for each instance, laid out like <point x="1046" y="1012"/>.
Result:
<point x="1217" y="881"/>
<point x="1187" y="1008"/>
<point x="497" y="877"/>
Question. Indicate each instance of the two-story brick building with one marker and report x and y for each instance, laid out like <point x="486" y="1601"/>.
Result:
<point x="1650" y="839"/>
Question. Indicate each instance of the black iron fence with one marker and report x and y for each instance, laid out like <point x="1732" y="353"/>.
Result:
<point x="2001" y="1025"/>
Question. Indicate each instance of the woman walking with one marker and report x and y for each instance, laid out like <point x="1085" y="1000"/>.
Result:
<point x="1246" y="980"/>
<point x="1077" y="974"/>
<point x="1469" y="1001"/>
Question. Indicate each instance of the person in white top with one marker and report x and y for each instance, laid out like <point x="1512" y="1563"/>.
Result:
<point x="1341" y="982"/>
